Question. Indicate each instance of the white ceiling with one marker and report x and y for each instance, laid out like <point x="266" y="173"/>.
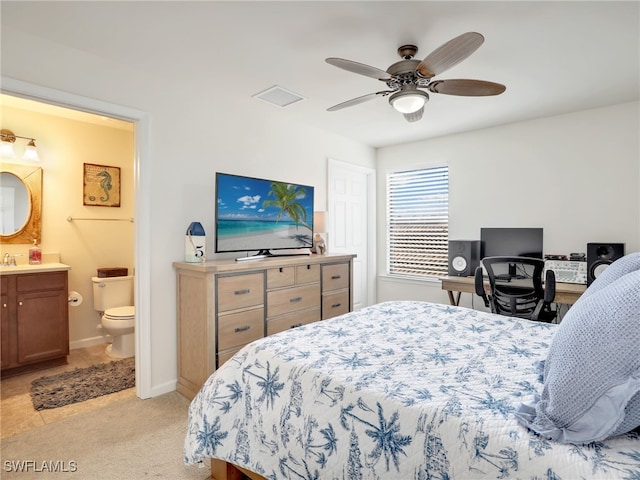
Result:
<point x="554" y="57"/>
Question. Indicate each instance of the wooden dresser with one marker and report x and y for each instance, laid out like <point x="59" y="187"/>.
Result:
<point x="223" y="305"/>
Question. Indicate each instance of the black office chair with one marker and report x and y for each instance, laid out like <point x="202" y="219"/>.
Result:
<point x="515" y="287"/>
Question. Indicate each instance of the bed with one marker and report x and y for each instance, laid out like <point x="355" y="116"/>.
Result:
<point x="399" y="390"/>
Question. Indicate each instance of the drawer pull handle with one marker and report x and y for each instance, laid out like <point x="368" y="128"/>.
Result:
<point x="242" y="329"/>
<point x="242" y="292"/>
<point x="4" y="305"/>
<point x="335" y="277"/>
<point x="296" y="325"/>
<point x="295" y="300"/>
<point x="20" y="303"/>
<point x="308" y="267"/>
<point x="335" y="305"/>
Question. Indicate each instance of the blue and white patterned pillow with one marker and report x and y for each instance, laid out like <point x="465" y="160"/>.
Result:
<point x="592" y="371"/>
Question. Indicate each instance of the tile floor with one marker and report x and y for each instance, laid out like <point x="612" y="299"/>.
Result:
<point x="17" y="414"/>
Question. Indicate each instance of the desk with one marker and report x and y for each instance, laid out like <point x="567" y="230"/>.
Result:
<point x="566" y="293"/>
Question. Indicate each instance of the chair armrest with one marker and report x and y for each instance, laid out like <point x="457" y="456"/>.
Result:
<point x="549" y="286"/>
<point x="479" y="284"/>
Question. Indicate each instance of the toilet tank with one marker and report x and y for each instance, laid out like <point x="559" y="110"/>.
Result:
<point x="112" y="292"/>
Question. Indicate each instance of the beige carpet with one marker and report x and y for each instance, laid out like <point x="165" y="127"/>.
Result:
<point x="127" y="440"/>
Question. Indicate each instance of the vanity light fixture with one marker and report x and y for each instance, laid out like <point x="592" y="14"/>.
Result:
<point x="8" y="138"/>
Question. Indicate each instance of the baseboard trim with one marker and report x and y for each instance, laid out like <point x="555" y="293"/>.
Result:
<point x="89" y="342"/>
<point x="161" y="389"/>
<point x="155" y="391"/>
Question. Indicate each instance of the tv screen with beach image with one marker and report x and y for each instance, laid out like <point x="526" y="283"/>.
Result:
<point x="259" y="214"/>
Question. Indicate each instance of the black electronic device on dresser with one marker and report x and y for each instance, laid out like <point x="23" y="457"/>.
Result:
<point x="270" y="217"/>
<point x="464" y="257"/>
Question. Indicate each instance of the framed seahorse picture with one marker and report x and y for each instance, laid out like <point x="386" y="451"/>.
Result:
<point x="101" y="185"/>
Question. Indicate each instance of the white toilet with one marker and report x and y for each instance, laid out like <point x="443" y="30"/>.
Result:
<point x="113" y="298"/>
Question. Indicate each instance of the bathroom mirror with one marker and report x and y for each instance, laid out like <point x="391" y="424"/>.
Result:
<point x="20" y="203"/>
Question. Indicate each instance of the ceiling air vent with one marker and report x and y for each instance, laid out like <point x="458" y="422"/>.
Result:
<point x="279" y="96"/>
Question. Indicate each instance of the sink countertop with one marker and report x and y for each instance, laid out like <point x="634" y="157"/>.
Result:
<point x="27" y="268"/>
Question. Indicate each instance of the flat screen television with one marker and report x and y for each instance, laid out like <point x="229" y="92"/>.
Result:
<point x="512" y="242"/>
<point x="261" y="215"/>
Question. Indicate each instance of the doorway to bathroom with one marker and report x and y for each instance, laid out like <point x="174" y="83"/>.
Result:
<point x="54" y="141"/>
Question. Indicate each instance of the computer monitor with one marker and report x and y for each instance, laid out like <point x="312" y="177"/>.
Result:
<point x="517" y="242"/>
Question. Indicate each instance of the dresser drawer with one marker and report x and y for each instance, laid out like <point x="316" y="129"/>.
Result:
<point x="280" y="277"/>
<point x="334" y="304"/>
<point x="307" y="274"/>
<point x="226" y="355"/>
<point x="238" y="329"/>
<point x="240" y="291"/>
<point x="335" y="277"/>
<point x="289" y="300"/>
<point x="292" y="320"/>
<point x="35" y="282"/>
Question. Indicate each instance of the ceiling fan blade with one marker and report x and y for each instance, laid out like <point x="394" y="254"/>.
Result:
<point x="359" y="68"/>
<point x="357" y="100"/>
<point x="466" y="88"/>
<point x="449" y="54"/>
<point x="415" y="116"/>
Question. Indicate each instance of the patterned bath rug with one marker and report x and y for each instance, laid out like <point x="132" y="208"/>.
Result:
<point x="82" y="384"/>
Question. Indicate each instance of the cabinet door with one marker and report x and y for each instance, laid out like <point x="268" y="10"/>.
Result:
<point x="43" y="328"/>
<point x="4" y="332"/>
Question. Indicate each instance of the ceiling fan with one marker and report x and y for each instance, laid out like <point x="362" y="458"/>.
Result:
<point x="406" y="77"/>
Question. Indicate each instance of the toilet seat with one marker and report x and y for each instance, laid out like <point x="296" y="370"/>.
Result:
<point x="120" y="313"/>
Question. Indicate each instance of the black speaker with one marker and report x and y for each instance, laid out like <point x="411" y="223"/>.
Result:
<point x="464" y="257"/>
<point x="600" y="256"/>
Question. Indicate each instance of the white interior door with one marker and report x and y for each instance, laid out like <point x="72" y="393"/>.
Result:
<point x="351" y="219"/>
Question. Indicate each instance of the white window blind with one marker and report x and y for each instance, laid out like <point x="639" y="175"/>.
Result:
<point x="418" y="221"/>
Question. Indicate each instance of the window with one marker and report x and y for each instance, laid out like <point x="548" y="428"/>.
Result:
<point x="418" y="221"/>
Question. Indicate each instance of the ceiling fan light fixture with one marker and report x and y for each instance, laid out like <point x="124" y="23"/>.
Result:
<point x="408" y="101"/>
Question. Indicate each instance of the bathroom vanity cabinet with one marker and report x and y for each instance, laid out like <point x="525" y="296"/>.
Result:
<point x="34" y="330"/>
<point x="224" y="305"/>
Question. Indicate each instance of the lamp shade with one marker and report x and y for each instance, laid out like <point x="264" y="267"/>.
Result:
<point x="320" y="222"/>
<point x="6" y="147"/>
<point x="6" y="150"/>
<point x="408" y="101"/>
<point x="31" y="153"/>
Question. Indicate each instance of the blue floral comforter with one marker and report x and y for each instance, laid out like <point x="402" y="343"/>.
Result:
<point x="398" y="390"/>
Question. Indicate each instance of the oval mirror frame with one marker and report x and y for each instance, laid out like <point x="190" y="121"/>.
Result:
<point x="32" y="179"/>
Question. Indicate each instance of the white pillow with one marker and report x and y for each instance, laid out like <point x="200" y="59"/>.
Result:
<point x="592" y="371"/>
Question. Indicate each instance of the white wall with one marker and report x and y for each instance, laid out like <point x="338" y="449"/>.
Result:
<point x="575" y="175"/>
<point x="195" y="129"/>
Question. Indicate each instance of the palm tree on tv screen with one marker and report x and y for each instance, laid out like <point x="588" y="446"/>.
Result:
<point x="286" y="199"/>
